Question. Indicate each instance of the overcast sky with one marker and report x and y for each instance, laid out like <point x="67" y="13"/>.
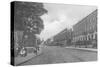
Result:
<point x="61" y="16"/>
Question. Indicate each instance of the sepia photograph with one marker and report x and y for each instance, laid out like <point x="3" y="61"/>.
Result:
<point x="51" y="33"/>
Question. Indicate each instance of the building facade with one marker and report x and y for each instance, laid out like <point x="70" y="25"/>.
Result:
<point x="63" y="38"/>
<point x="85" y="31"/>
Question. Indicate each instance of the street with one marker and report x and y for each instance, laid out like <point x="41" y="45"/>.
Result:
<point x="54" y="54"/>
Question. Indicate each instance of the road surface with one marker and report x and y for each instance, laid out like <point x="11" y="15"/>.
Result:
<point x="54" y="54"/>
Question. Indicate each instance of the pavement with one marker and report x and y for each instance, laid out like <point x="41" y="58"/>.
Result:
<point x="54" y="54"/>
<point x="20" y="59"/>
<point x="87" y="49"/>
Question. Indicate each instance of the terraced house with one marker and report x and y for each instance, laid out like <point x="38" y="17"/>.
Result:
<point x="85" y="31"/>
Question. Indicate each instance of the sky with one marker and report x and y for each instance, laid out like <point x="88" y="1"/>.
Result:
<point x="62" y="16"/>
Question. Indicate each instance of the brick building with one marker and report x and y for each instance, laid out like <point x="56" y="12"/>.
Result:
<point x="85" y="31"/>
<point x="63" y="38"/>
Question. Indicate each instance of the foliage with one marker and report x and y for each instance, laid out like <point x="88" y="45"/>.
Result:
<point x="27" y="19"/>
<point x="27" y="16"/>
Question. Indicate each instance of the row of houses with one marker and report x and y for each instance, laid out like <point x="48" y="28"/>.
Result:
<point x="61" y="39"/>
<point x="91" y="36"/>
<point x="86" y="31"/>
<point x="83" y="34"/>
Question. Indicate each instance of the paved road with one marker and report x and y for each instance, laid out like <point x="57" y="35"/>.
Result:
<point x="62" y="55"/>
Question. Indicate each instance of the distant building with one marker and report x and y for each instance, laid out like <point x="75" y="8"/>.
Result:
<point x="24" y="39"/>
<point x="86" y="30"/>
<point x="17" y="38"/>
<point x="63" y="38"/>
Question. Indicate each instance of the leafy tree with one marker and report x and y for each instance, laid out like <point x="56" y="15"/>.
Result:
<point x="28" y="13"/>
<point x="27" y="18"/>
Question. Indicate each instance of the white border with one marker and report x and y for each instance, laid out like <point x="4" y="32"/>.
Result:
<point x="5" y="32"/>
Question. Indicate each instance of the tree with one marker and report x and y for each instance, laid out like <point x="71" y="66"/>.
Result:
<point x="27" y="18"/>
<point x="28" y="12"/>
